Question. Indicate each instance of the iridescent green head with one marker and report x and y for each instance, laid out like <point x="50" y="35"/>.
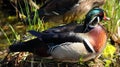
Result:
<point x="95" y="12"/>
<point x="93" y="17"/>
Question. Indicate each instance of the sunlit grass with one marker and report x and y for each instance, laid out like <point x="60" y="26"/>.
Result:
<point x="33" y="23"/>
<point x="112" y="9"/>
<point x="5" y="34"/>
<point x="13" y="33"/>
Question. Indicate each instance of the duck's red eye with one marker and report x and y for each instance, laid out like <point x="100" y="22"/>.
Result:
<point x="101" y="14"/>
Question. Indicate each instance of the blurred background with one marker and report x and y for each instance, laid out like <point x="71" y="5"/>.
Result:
<point x="12" y="27"/>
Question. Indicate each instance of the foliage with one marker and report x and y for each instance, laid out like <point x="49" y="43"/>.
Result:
<point x="109" y="51"/>
<point x="109" y="54"/>
<point x="112" y="9"/>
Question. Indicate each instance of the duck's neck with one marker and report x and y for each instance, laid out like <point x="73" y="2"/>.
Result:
<point x="98" y="37"/>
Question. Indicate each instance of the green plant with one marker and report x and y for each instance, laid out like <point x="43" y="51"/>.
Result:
<point x="112" y="9"/>
<point x="12" y="33"/>
<point x="34" y="23"/>
<point x="5" y="35"/>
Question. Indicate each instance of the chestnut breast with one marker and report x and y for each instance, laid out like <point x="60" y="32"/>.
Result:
<point x="98" y="38"/>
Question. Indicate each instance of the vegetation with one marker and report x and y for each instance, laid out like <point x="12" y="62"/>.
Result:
<point x="13" y="30"/>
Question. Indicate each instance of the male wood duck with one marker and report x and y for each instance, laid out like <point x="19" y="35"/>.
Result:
<point x="69" y="43"/>
<point x="65" y="11"/>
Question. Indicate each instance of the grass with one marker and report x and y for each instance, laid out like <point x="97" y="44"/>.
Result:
<point x="112" y="9"/>
<point x="7" y="38"/>
<point x="32" y="22"/>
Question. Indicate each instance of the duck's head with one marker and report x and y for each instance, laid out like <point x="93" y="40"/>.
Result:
<point x="93" y="17"/>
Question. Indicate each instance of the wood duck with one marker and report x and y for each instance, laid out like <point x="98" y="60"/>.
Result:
<point x="69" y="43"/>
<point x="65" y="11"/>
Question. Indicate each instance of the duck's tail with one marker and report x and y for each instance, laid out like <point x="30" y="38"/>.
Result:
<point x="28" y="46"/>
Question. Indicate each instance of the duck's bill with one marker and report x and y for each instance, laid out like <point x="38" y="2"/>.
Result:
<point x="106" y="18"/>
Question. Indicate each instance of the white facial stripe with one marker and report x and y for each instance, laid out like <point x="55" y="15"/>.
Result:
<point x="92" y="20"/>
<point x="98" y="19"/>
<point x="89" y="23"/>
